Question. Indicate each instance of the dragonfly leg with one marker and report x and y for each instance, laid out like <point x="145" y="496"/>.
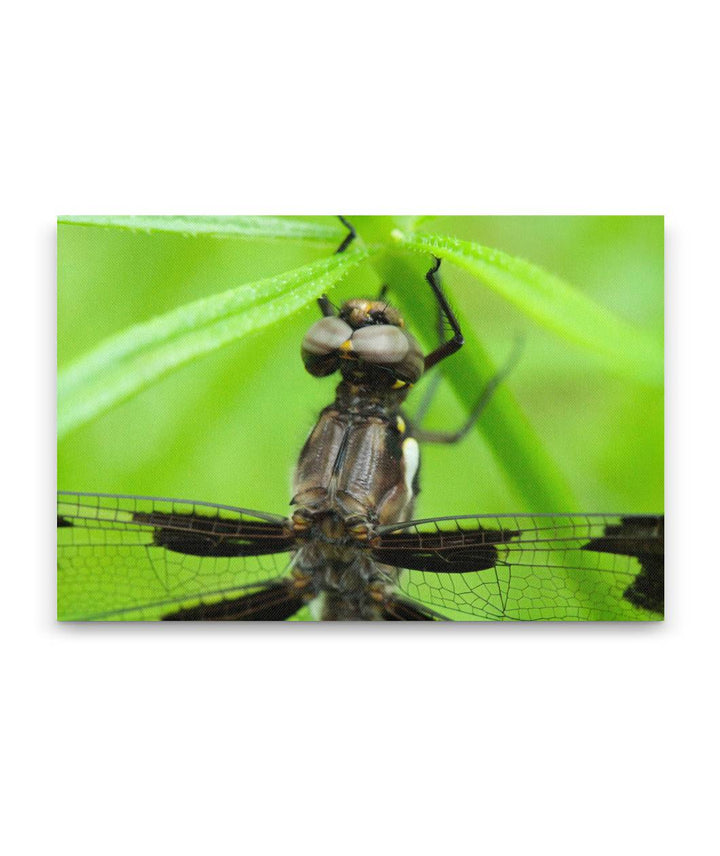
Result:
<point x="432" y="387"/>
<point x="349" y="238"/>
<point x="326" y="307"/>
<point x="444" y="349"/>
<point x="450" y="437"/>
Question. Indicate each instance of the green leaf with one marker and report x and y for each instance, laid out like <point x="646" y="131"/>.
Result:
<point x="140" y="355"/>
<point x="284" y="228"/>
<point x="553" y="303"/>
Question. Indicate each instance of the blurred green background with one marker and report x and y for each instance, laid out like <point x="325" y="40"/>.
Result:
<point x="228" y="427"/>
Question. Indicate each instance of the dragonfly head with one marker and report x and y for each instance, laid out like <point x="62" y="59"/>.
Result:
<point x="368" y="343"/>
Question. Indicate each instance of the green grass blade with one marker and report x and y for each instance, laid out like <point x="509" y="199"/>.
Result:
<point x="530" y="469"/>
<point x="513" y="440"/>
<point x="282" y="228"/>
<point x="128" y="362"/>
<point x="553" y="303"/>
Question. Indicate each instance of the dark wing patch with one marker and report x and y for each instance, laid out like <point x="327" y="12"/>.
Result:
<point x="456" y="551"/>
<point x="202" y="535"/>
<point x="643" y="538"/>
<point x="276" y="602"/>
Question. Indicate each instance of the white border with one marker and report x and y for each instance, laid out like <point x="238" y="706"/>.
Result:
<point x="307" y="739"/>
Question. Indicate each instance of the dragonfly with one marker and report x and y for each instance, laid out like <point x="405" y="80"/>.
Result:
<point x="351" y="549"/>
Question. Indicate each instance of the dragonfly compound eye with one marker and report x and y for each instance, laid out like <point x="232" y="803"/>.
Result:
<point x="389" y="347"/>
<point x="382" y="343"/>
<point x="326" y="336"/>
<point x="321" y="345"/>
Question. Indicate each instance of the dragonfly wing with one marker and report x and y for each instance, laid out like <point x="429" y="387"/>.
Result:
<point x="531" y="567"/>
<point x="142" y="558"/>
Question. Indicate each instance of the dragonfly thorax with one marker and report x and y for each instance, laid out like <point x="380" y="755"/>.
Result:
<point x="358" y="464"/>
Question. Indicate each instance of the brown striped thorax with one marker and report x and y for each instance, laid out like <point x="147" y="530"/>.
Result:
<point x="368" y="343"/>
